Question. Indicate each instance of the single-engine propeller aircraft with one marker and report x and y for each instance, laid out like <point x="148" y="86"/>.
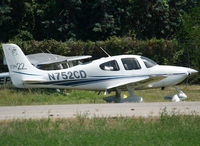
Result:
<point x="112" y="73"/>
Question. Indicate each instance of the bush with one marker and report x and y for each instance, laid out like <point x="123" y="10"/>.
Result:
<point x="162" y="51"/>
<point x="159" y="50"/>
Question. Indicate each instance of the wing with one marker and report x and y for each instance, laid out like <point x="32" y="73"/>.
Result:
<point x="47" y="58"/>
<point x="138" y="82"/>
<point x="74" y="58"/>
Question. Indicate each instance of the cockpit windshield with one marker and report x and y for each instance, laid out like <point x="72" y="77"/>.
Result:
<point x="148" y="62"/>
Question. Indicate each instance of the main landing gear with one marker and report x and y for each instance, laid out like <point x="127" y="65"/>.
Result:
<point x="177" y="97"/>
<point x="120" y="99"/>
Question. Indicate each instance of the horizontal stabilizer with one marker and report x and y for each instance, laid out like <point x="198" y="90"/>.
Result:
<point x="4" y="75"/>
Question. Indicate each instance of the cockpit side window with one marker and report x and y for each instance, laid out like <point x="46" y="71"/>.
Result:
<point x="148" y="62"/>
<point x="110" y="66"/>
<point x="130" y="64"/>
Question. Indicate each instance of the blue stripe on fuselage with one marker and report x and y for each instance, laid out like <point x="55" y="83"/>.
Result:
<point x="95" y="80"/>
<point x="26" y="73"/>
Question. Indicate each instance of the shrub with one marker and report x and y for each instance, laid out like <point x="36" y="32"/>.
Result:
<point x="162" y="51"/>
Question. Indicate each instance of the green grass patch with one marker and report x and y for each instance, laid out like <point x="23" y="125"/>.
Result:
<point x="14" y="96"/>
<point x="163" y="130"/>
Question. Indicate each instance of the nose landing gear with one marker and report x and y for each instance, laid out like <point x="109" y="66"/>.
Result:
<point x="177" y="97"/>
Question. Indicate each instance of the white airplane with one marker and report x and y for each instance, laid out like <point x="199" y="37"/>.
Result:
<point x="116" y="73"/>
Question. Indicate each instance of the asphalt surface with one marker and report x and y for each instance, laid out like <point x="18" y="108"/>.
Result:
<point x="98" y="110"/>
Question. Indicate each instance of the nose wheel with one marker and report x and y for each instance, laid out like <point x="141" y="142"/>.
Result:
<point x="177" y="97"/>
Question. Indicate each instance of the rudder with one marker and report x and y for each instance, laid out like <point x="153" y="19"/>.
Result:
<point x="18" y="64"/>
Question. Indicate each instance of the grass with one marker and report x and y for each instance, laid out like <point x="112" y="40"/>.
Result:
<point x="35" y="97"/>
<point x="164" y="130"/>
<point x="168" y="129"/>
<point x="192" y="91"/>
<point x="13" y="96"/>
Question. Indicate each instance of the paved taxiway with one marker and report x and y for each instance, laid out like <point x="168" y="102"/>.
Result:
<point x="98" y="110"/>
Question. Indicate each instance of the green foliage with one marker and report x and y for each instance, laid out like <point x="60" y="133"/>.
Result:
<point x="91" y="20"/>
<point x="5" y="19"/>
<point x="158" y="50"/>
<point x="159" y="18"/>
<point x="23" y="36"/>
<point x="191" y="22"/>
<point x="190" y="37"/>
<point x="165" y="130"/>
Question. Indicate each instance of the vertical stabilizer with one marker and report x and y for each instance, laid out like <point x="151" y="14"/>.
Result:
<point x="18" y="65"/>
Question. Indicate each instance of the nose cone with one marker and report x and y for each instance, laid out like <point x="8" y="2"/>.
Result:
<point x="191" y="71"/>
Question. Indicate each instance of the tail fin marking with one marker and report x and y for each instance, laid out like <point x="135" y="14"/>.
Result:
<point x="18" y="65"/>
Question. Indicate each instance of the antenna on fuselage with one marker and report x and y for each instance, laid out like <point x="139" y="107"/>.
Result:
<point x="104" y="51"/>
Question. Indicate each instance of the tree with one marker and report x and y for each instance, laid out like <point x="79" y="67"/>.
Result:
<point x="158" y="18"/>
<point x="90" y="19"/>
<point x="5" y="19"/>
<point x="191" y="31"/>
